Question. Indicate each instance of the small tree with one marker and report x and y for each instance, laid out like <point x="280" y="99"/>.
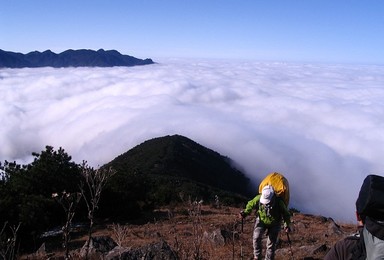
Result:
<point x="95" y="181"/>
<point x="69" y="202"/>
<point x="26" y="190"/>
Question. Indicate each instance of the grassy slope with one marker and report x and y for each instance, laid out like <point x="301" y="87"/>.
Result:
<point x="178" y="228"/>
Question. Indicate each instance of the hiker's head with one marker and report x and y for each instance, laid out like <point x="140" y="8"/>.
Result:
<point x="370" y="202"/>
<point x="267" y="194"/>
<point x="360" y="217"/>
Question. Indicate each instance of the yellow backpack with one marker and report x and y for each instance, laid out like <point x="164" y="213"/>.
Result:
<point x="280" y="185"/>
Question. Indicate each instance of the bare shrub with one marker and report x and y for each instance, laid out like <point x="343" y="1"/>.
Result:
<point x="68" y="202"/>
<point x="8" y="242"/>
<point x="95" y="181"/>
<point x="120" y="234"/>
<point x="197" y="228"/>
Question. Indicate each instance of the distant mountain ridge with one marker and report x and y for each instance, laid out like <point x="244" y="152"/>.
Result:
<point x="69" y="58"/>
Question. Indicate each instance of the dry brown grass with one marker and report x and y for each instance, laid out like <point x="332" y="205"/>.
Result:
<point x="184" y="232"/>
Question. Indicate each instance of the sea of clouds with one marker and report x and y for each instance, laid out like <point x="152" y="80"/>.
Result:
<point x="320" y="125"/>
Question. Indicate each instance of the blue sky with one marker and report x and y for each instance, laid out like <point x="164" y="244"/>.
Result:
<point x="307" y="30"/>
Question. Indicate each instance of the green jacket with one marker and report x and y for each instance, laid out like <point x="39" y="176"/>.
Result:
<point x="278" y="211"/>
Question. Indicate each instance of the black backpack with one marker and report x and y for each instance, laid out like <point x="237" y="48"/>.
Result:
<point x="371" y="198"/>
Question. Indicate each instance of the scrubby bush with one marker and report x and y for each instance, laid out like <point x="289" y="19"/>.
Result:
<point x="27" y="190"/>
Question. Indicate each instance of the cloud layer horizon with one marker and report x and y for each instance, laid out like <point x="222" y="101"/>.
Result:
<point x="320" y="125"/>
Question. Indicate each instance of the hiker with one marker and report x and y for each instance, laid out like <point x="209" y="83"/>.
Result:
<point x="369" y="242"/>
<point x="271" y="210"/>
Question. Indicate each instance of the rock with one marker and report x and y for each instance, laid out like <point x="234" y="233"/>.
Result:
<point x="218" y="236"/>
<point x="98" y="246"/>
<point x="117" y="252"/>
<point x="41" y="251"/>
<point x="334" y="228"/>
<point x="155" y="251"/>
<point x="320" y="249"/>
<point x="300" y="226"/>
<point x="215" y="237"/>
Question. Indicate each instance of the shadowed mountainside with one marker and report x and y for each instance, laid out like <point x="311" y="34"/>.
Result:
<point x="178" y="156"/>
<point x="69" y="58"/>
<point x="171" y="169"/>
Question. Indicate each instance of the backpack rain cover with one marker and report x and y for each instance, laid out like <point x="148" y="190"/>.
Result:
<point x="280" y="185"/>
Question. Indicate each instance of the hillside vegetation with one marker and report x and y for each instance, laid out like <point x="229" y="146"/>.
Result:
<point x="161" y="171"/>
<point x="168" y="193"/>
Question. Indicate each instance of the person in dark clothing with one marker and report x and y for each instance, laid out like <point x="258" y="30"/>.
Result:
<point x="369" y="242"/>
<point x="373" y="234"/>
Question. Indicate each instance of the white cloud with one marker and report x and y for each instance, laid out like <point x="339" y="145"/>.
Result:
<point x="320" y="125"/>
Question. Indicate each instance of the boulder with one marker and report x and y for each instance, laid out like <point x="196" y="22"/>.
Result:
<point x="220" y="237"/>
<point x="98" y="246"/>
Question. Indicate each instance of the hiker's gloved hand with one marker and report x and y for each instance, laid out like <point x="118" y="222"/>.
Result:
<point x="287" y="228"/>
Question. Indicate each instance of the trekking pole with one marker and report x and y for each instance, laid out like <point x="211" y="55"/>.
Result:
<point x="241" y="239"/>
<point x="242" y="223"/>
<point x="242" y="220"/>
<point x="290" y="245"/>
<point x="240" y="235"/>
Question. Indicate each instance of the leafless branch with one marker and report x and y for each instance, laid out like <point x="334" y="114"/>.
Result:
<point x="95" y="181"/>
